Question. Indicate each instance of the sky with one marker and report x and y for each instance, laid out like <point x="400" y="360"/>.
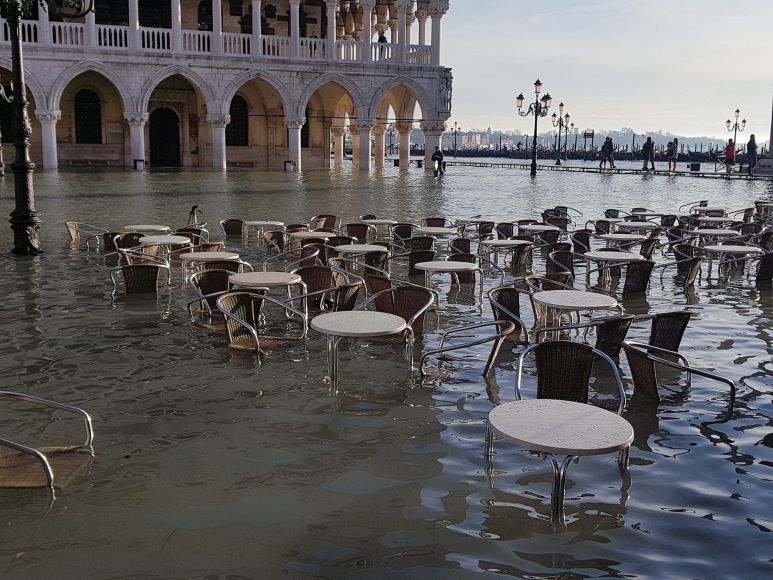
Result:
<point x="681" y="66"/>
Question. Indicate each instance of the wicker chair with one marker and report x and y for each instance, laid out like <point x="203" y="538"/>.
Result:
<point x="297" y="228"/>
<point x="613" y="213"/>
<point x="420" y="243"/>
<point x="437" y="222"/>
<point x="127" y="241"/>
<point x="340" y="241"/>
<point x="506" y="307"/>
<point x="647" y="248"/>
<point x="505" y="230"/>
<point x="417" y="257"/>
<point x="527" y="222"/>
<point x="208" y="286"/>
<point x="362" y="232"/>
<point x="87" y="233"/>
<point x="459" y="246"/>
<point x="668" y="220"/>
<point x="564" y="369"/>
<point x="140" y="278"/>
<point x="560" y="222"/>
<point x="401" y="232"/>
<point x="548" y="237"/>
<point x="667" y="328"/>
<point x="196" y="235"/>
<point x="560" y="261"/>
<point x="550" y="281"/>
<point x="326" y="221"/>
<point x="16" y="472"/>
<point x="637" y="277"/>
<point x="522" y="257"/>
<point x="610" y="332"/>
<point x="602" y="227"/>
<point x="581" y="241"/>
<point x="463" y="278"/>
<point x="409" y="302"/>
<point x="233" y="266"/>
<point x="209" y="247"/>
<point x="765" y="270"/>
<point x="641" y="361"/>
<point x="232" y="227"/>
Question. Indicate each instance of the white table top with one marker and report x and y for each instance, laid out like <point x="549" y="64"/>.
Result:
<point x="358" y="323"/>
<point x="359" y="248"/>
<point x="605" y="256"/>
<point x="505" y="243"/>
<point x="715" y="232"/>
<point x="432" y="231"/>
<point x="700" y="209"/>
<point x="538" y="228"/>
<point x="733" y="249"/>
<point x="209" y="256"/>
<point x="264" y="279"/>
<point x="611" y="220"/>
<point x="150" y="228"/>
<point x="475" y="220"/>
<point x="309" y="235"/>
<point x="764" y="203"/>
<point x="561" y="427"/>
<point x="636" y="225"/>
<point x="446" y="266"/>
<point x="574" y="300"/>
<point x="715" y="220"/>
<point x="623" y="237"/>
<point x="379" y="222"/>
<point x="263" y="223"/>
<point x="645" y="215"/>
<point x="164" y="240"/>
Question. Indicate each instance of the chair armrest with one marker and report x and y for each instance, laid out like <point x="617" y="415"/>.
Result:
<point x="54" y="405"/>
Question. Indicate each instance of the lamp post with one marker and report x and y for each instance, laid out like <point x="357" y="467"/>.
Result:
<point x="561" y="123"/>
<point x="735" y="127"/>
<point x="455" y="132"/>
<point x="25" y="220"/>
<point x="391" y="133"/>
<point x="539" y="108"/>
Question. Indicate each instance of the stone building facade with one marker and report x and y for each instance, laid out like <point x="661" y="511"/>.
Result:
<point x="211" y="83"/>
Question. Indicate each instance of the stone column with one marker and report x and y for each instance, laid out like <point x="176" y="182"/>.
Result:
<point x="409" y="20"/>
<point x="392" y="23"/>
<point x="217" y="124"/>
<point x="433" y="132"/>
<point x="44" y="27"/>
<point x="326" y="141"/>
<point x="421" y="16"/>
<point x="401" y="20"/>
<point x="137" y="135"/>
<point x="332" y="6"/>
<point x="134" y="24"/>
<point x="437" y="9"/>
<point x="294" y="126"/>
<point x="217" y="27"/>
<point x="257" y="33"/>
<point x="378" y="154"/>
<point x="295" y="28"/>
<point x="355" y="133"/>
<point x="48" y="120"/>
<point x="271" y="125"/>
<point x="90" y="27"/>
<point x="364" y="127"/>
<point x="338" y="146"/>
<point x="367" y="29"/>
<point x="177" y="27"/>
<point x="404" y="130"/>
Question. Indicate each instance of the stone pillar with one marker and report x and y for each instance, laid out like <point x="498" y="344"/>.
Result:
<point x="355" y="133"/>
<point x="392" y="23"/>
<point x="332" y="5"/>
<point x="271" y="133"/>
<point x="367" y="29"/>
<point x="44" y="27"/>
<point x="433" y="132"/>
<point x="378" y="154"/>
<point x="402" y="9"/>
<point x="48" y="120"/>
<point x="177" y="27"/>
<point x="364" y="127"/>
<point x="217" y="124"/>
<point x="421" y="16"/>
<point x="294" y="126"/>
<point x="326" y="141"/>
<point x="134" y="25"/>
<point x="257" y="33"/>
<point x="295" y="28"/>
<point x="137" y="136"/>
<point x="338" y="146"/>
<point x="90" y="27"/>
<point x="409" y="20"/>
<point x="404" y="130"/>
<point x="217" y="27"/>
<point x="437" y="9"/>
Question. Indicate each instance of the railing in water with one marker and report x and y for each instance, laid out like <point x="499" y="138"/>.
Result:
<point x="197" y="41"/>
<point x="313" y="48"/>
<point x="347" y="50"/>
<point x="276" y="45"/>
<point x="68" y="34"/>
<point x="112" y="36"/>
<point x="234" y="43"/>
<point x="156" y="38"/>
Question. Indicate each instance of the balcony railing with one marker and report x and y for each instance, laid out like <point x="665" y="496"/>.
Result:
<point x="109" y="37"/>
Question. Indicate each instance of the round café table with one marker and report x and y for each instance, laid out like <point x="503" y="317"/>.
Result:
<point x="700" y="210"/>
<point x="447" y="267"/>
<point x="204" y="257"/>
<point x="715" y="220"/>
<point x="260" y="226"/>
<point x="435" y="231"/>
<point x="556" y="427"/>
<point x="607" y="258"/>
<point x="732" y="250"/>
<point x="560" y="301"/>
<point x="360" y="248"/>
<point x="613" y="240"/>
<point x="496" y="245"/>
<point x="709" y="235"/>
<point x="270" y="280"/>
<point x="355" y="324"/>
<point x="380" y="224"/>
<point x="149" y="229"/>
<point x="165" y="242"/>
<point x="635" y="226"/>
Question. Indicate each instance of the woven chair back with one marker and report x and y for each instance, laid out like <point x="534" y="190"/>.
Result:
<point x="668" y="329"/>
<point x="421" y="243"/>
<point x="345" y="296"/>
<point x="402" y="232"/>
<point x="668" y="220"/>
<point x="316" y="278"/>
<point x="601" y="226"/>
<point x="228" y="265"/>
<point x="126" y="241"/>
<point x="434" y="222"/>
<point x="504" y="230"/>
<point x="325" y="220"/>
<point x="563" y="370"/>
<point x="141" y="278"/>
<point x="416" y="257"/>
<point x="297" y="227"/>
<point x="209" y="282"/>
<point x="611" y="333"/>
<point x="645" y="379"/>
<point x="647" y="247"/>
<point x="692" y="270"/>
<point x="359" y="231"/>
<point x="244" y="306"/>
<point x="376" y="284"/>
<point x="232" y="227"/>
<point x="463" y="277"/>
<point x="458" y="246"/>
<point x="378" y="260"/>
<point x="507" y="297"/>
<point x="581" y="241"/>
<point x="612" y="213"/>
<point x="340" y="240"/>
<point x="408" y="300"/>
<point x="522" y="257"/>
<point x="765" y="270"/>
<point x="637" y="276"/>
<point x="560" y="261"/>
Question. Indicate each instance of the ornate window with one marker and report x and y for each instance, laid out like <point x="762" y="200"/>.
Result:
<point x="88" y="117"/>
<point x="237" y="132"/>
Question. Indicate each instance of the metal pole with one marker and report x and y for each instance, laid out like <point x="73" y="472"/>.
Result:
<point x="533" y="171"/>
<point x="25" y="221"/>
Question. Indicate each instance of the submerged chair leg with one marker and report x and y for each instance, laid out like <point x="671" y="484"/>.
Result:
<point x="492" y="357"/>
<point x="623" y="456"/>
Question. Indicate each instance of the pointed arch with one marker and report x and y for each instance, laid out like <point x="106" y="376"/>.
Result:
<point x="247" y="76"/>
<point x="346" y="84"/>
<point x="422" y="97"/>
<point x="70" y="73"/>
<point x="193" y="78"/>
<point x="32" y="84"/>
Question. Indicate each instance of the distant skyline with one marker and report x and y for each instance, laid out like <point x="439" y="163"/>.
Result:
<point x="681" y="66"/>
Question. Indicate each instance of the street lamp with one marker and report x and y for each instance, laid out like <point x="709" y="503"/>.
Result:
<point x="25" y="220"/>
<point x="561" y="123"/>
<point x="455" y="132"/>
<point x="391" y="133"/>
<point x="539" y="108"/>
<point x="735" y="127"/>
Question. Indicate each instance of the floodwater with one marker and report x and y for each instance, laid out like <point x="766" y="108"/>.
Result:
<point x="210" y="465"/>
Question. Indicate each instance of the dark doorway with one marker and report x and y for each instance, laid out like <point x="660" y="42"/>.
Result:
<point x="164" y="138"/>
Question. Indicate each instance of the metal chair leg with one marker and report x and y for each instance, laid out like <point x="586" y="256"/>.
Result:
<point x="559" y="486"/>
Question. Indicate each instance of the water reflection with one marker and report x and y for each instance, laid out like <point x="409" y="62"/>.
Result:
<point x="212" y="462"/>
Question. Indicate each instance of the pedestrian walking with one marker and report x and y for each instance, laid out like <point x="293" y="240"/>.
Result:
<point x="437" y="158"/>
<point x="648" y="153"/>
<point x="611" y="152"/>
<point x="603" y="154"/>
<point x="729" y="156"/>
<point x="673" y="155"/>
<point x="751" y="153"/>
